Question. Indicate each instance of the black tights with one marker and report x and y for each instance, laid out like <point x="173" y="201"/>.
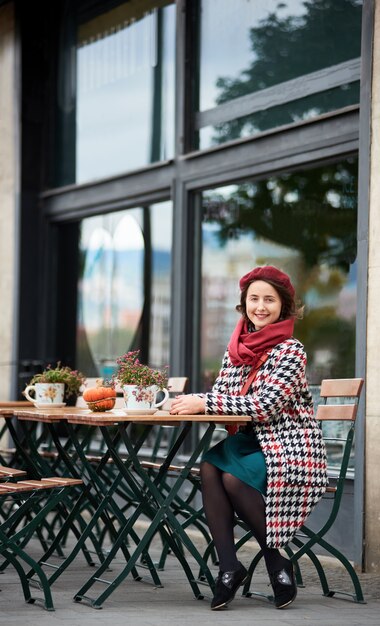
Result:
<point x="223" y="495"/>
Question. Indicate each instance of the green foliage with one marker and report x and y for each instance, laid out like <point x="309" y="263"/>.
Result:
<point x="72" y="379"/>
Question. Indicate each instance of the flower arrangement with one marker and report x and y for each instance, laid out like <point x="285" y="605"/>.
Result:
<point x="132" y="372"/>
<point x="73" y="379"/>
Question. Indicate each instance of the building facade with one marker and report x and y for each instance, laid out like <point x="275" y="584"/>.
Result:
<point x="152" y="152"/>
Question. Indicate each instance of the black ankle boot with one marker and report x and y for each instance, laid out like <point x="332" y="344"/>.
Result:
<point x="284" y="586"/>
<point x="226" y="585"/>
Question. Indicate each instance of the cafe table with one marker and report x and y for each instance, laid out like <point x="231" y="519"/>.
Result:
<point x="152" y="495"/>
<point x="28" y="439"/>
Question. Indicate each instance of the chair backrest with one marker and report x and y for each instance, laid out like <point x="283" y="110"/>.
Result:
<point x="340" y="388"/>
<point x="177" y="384"/>
<point x="339" y="437"/>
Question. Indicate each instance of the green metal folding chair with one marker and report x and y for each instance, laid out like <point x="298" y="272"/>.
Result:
<point x="307" y="541"/>
<point x="34" y="501"/>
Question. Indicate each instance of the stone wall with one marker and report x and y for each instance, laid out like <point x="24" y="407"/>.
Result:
<point x="372" y="483"/>
<point x="9" y="133"/>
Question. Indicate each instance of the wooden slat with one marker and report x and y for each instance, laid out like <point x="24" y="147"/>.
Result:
<point x="6" y="404"/>
<point x="341" y="387"/>
<point x="337" y="412"/>
<point x="7" y="451"/>
<point x="172" y="468"/>
<point x="34" y="484"/>
<point x="195" y="471"/>
<point x="9" y="471"/>
<point x="62" y="481"/>
<point x="177" y="384"/>
<point x="48" y="454"/>
<point x="16" y="487"/>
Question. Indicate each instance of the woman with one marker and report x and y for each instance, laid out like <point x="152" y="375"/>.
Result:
<point x="272" y="473"/>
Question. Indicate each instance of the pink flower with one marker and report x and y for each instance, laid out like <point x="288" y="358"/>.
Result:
<point x="132" y="372"/>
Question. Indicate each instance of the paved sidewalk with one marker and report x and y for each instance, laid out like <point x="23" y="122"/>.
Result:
<point x="141" y="604"/>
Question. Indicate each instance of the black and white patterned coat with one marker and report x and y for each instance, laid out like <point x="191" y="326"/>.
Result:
<point x="280" y="404"/>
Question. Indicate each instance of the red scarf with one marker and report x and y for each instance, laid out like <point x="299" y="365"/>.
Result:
<point x="246" y="348"/>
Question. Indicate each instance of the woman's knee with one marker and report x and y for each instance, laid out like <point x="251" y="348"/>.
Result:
<point x="208" y="470"/>
<point x="230" y="482"/>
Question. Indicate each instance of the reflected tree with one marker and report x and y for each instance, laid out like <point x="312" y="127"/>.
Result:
<point x="314" y="212"/>
<point x="287" y="46"/>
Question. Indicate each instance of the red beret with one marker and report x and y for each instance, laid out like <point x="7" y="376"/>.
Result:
<point x="267" y="272"/>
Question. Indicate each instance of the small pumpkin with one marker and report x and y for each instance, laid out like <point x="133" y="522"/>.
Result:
<point x="100" y="398"/>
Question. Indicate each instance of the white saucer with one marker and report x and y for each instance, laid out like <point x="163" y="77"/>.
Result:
<point x="49" y="405"/>
<point x="134" y="411"/>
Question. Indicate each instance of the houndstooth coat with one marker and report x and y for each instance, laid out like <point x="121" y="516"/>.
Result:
<point x="280" y="404"/>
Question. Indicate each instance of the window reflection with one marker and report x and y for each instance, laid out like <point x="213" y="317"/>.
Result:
<point x="122" y="111"/>
<point x="291" y="112"/>
<point x="124" y="288"/>
<point x="250" y="45"/>
<point x="304" y="222"/>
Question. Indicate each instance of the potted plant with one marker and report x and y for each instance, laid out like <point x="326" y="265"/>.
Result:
<point x="55" y="384"/>
<point x="140" y="383"/>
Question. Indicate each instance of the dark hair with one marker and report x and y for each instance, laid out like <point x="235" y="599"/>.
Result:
<point x="289" y="307"/>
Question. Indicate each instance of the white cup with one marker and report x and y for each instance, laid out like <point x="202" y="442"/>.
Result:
<point x="143" y="399"/>
<point x="45" y="393"/>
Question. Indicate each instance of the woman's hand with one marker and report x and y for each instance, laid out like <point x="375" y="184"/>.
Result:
<point x="187" y="405"/>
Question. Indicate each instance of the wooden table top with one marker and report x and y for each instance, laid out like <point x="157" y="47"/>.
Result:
<point x="10" y="404"/>
<point x="85" y="416"/>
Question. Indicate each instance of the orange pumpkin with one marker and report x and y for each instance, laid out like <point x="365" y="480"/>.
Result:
<point x="100" y="398"/>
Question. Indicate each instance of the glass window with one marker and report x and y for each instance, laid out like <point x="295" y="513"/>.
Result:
<point x="124" y="288"/>
<point x="303" y="222"/>
<point x="246" y="46"/>
<point x="120" y="75"/>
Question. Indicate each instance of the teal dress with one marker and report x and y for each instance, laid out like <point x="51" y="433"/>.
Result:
<point x="241" y="456"/>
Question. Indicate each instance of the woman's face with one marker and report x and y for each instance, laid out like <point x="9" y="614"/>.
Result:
<point x="263" y="304"/>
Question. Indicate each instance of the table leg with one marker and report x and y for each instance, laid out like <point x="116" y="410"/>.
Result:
<point x="158" y="507"/>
